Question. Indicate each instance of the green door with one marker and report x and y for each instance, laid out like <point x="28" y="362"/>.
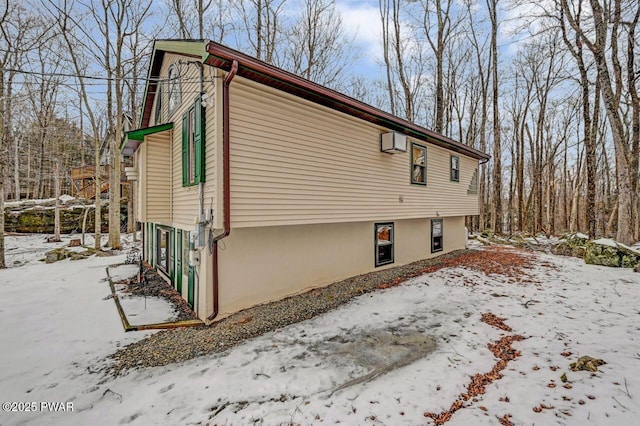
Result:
<point x="178" y="273"/>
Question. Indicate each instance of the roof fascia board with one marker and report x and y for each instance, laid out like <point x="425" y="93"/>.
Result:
<point x="134" y="138"/>
<point x="192" y="48"/>
<point x="139" y="134"/>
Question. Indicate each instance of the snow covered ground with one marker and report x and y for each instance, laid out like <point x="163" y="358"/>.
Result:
<point x="140" y="310"/>
<point x="57" y="330"/>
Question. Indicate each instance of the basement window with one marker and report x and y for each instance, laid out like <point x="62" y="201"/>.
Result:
<point x="436" y="235"/>
<point x="418" y="164"/>
<point x="455" y="168"/>
<point x="384" y="243"/>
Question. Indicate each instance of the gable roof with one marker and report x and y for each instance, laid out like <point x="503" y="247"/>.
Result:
<point x="191" y="48"/>
<point x="222" y="57"/>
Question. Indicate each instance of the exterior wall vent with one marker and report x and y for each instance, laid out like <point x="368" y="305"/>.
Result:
<point x="393" y="142"/>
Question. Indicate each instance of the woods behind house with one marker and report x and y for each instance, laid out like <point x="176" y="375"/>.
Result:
<point x="549" y="89"/>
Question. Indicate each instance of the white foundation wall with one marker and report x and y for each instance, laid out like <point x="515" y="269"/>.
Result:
<point x="258" y="265"/>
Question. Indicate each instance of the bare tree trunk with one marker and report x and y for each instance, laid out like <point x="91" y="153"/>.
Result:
<point x="56" y="222"/>
<point x="611" y="85"/>
<point x="496" y="222"/>
<point x="16" y="168"/>
<point x="386" y="46"/>
<point x="98" y="213"/>
<point x="2" y="261"/>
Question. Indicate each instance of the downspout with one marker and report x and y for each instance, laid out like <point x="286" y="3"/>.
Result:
<point x="226" y="227"/>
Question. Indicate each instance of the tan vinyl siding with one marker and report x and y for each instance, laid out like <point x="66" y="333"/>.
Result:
<point x="294" y="162"/>
<point x="157" y="179"/>
<point x="184" y="203"/>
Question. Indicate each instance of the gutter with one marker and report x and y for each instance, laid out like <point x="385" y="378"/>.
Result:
<point x="226" y="227"/>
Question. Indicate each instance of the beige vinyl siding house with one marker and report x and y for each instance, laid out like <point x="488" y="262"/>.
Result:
<point x="289" y="188"/>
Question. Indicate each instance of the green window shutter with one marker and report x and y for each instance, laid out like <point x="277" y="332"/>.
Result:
<point x="185" y="149"/>
<point x="199" y="140"/>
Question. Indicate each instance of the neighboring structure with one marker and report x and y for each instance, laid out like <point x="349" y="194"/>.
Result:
<point x="83" y="181"/>
<point x="255" y="184"/>
<point x="83" y="178"/>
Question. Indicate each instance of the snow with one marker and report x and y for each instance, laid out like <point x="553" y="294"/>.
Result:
<point x="139" y="310"/>
<point x="22" y="249"/>
<point x="613" y="243"/>
<point x="64" y="198"/>
<point x="634" y="248"/>
<point x="606" y="242"/>
<point x="581" y="236"/>
<point x="58" y="329"/>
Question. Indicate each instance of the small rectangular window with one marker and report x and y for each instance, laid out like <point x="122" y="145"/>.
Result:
<point x="455" y="168"/>
<point x="418" y="164"/>
<point x="473" y="186"/>
<point x="173" y="84"/>
<point x="436" y="235"/>
<point x="384" y="243"/>
<point x="158" y="115"/>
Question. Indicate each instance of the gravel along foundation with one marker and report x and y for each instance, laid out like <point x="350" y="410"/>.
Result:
<point x="179" y="345"/>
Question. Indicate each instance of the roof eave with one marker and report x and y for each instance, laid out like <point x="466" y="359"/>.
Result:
<point x="222" y="57"/>
<point x="191" y="48"/>
<point x="134" y="138"/>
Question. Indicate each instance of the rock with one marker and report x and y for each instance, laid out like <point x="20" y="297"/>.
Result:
<point x="62" y="253"/>
<point x="576" y="238"/>
<point x="487" y="233"/>
<point x="74" y="242"/>
<point x="607" y="252"/>
<point x="586" y="363"/>
<point x="57" y="254"/>
<point x="571" y="245"/>
<point x="636" y="269"/>
<point x="40" y="219"/>
<point x="79" y="256"/>
<point x="562" y="249"/>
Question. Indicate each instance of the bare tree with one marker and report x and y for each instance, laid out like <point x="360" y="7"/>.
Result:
<point x="575" y="47"/>
<point x="496" y="214"/>
<point x="317" y="46"/>
<point x="17" y="39"/>
<point x="262" y="22"/>
<point x="202" y="18"/>
<point x="603" y="40"/>
<point x="440" y="25"/>
<point x="4" y="59"/>
<point x="72" y="34"/>
<point x="483" y="64"/>
<point x="403" y="60"/>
